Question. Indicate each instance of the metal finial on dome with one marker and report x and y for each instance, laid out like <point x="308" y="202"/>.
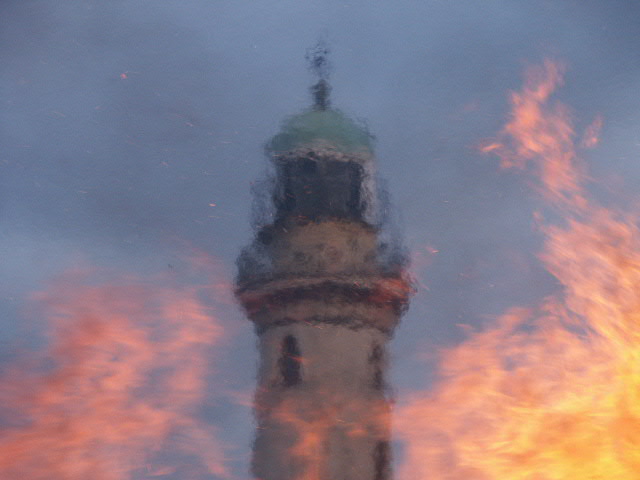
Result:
<point x="318" y="58"/>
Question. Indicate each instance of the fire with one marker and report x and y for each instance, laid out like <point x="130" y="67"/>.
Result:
<point x="115" y="395"/>
<point x="552" y="393"/>
<point x="540" y="133"/>
<point x="310" y="430"/>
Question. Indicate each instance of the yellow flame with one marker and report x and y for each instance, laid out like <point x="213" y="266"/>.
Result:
<point x="550" y="394"/>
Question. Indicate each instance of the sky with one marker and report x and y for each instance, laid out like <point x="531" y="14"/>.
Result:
<point x="133" y="131"/>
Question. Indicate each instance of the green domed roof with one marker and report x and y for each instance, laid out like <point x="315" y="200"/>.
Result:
<point x="316" y="126"/>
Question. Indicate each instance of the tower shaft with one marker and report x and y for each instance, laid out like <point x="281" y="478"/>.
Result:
<point x="324" y="304"/>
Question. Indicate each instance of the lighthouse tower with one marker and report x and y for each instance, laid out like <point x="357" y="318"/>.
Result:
<point x="325" y="295"/>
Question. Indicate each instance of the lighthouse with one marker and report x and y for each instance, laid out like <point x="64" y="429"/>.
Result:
<point x="325" y="289"/>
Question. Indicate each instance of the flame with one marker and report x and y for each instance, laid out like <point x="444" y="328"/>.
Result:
<point x="116" y="394"/>
<point x="552" y="393"/>
<point x="302" y="438"/>
<point x="311" y="428"/>
<point x="540" y="133"/>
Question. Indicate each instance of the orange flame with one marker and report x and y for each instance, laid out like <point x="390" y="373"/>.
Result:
<point x="320" y="433"/>
<point x="315" y="430"/>
<point x="311" y="431"/>
<point x="552" y="394"/>
<point x="540" y="132"/>
<point x="115" y="396"/>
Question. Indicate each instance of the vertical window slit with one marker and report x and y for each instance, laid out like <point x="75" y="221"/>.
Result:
<point x="290" y="361"/>
<point x="381" y="458"/>
<point x="377" y="359"/>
